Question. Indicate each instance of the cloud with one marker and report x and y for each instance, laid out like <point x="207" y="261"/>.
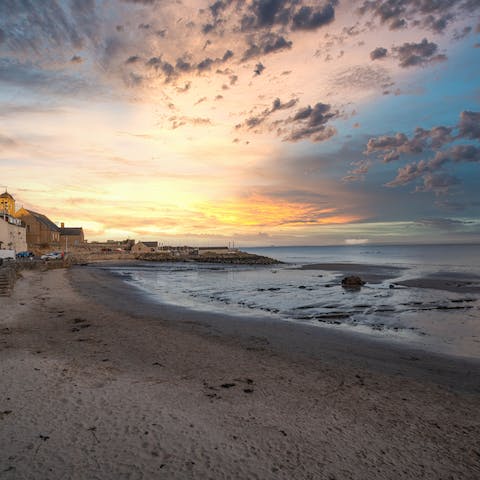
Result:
<point x="469" y="126"/>
<point x="132" y="59"/>
<point x="270" y="14"/>
<point x="33" y="26"/>
<point x="438" y="183"/>
<point x="36" y="79"/>
<point x="362" y="77"/>
<point x="311" y="123"/>
<point x="443" y="223"/>
<point x="266" y="44"/>
<point x="308" y="18"/>
<point x="378" y="53"/>
<point x="428" y="169"/>
<point x="277" y="105"/>
<point x="180" y="121"/>
<point x="434" y="15"/>
<point x="418" y="54"/>
<point x="356" y="241"/>
<point x="391" y="148"/>
<point x="76" y="59"/>
<point x="259" y="68"/>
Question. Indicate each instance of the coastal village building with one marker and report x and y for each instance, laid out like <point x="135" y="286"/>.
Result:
<point x="13" y="234"/>
<point x="71" y="237"/>
<point x="12" y="230"/>
<point x="145" y="247"/>
<point x="7" y="204"/>
<point x="41" y="231"/>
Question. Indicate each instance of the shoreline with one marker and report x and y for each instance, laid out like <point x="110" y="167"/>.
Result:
<point x="291" y="339"/>
<point x="96" y="382"/>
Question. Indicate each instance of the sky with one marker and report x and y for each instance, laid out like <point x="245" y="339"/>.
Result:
<point x="259" y="122"/>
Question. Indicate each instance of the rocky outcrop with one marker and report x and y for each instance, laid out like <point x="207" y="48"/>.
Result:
<point x="238" y="258"/>
<point x="352" y="282"/>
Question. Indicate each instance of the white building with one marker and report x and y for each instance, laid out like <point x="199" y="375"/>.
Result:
<point x="13" y="234"/>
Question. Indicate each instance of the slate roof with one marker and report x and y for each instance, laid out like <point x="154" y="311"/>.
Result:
<point x="45" y="220"/>
<point x="73" y="231"/>
<point x="150" y="244"/>
<point x="6" y="195"/>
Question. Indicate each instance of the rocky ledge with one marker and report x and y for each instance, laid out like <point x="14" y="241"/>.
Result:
<point x="238" y="258"/>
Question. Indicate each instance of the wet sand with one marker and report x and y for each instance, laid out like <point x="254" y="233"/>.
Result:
<point x="447" y="281"/>
<point x="369" y="273"/>
<point x="457" y="282"/>
<point x="96" y="381"/>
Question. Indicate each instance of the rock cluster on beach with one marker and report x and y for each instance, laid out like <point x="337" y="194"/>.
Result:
<point x="237" y="258"/>
<point x="352" y="281"/>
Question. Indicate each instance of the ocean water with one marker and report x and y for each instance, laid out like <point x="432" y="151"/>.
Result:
<point x="436" y="320"/>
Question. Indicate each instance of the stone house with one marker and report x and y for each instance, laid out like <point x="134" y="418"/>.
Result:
<point x="41" y="231"/>
<point x="71" y="237"/>
<point x="145" y="247"/>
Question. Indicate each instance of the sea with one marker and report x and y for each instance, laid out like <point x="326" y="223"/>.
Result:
<point x="441" y="321"/>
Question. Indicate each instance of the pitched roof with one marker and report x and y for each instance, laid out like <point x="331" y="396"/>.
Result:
<point x="45" y="220"/>
<point x="150" y="244"/>
<point x="71" y="231"/>
<point x="6" y="195"/>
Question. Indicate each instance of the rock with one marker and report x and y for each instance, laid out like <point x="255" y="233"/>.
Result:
<point x="352" y="282"/>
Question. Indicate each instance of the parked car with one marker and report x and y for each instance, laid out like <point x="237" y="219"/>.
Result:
<point x="25" y="254"/>
<point x="52" y="256"/>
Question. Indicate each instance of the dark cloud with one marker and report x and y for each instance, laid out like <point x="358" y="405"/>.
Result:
<point x="462" y="34"/>
<point x="391" y="147"/>
<point x="277" y="105"/>
<point x="434" y="15"/>
<point x="182" y="66"/>
<point x="205" y="64"/>
<point x="259" y="68"/>
<point x="76" y="59"/>
<point x="132" y="59"/>
<point x="379" y="52"/>
<point x="469" y="126"/>
<point x="2" y="36"/>
<point x="308" y="18"/>
<point x="218" y="7"/>
<point x="437" y="182"/>
<point x="428" y="169"/>
<point x="272" y="14"/>
<point x="418" y="54"/>
<point x="441" y="142"/>
<point x="265" y="44"/>
<point x="311" y="123"/>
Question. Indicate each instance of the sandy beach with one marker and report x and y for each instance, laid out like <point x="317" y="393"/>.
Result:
<point x="98" y="382"/>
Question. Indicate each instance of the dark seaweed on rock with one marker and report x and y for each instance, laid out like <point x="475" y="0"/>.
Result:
<point x="239" y="258"/>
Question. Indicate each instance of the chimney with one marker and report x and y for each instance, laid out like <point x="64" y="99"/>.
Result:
<point x="62" y="225"/>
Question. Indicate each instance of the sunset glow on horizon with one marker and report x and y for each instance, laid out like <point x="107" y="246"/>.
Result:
<point x="261" y="122"/>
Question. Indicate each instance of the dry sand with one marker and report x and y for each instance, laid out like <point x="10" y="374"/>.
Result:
<point x="95" y="382"/>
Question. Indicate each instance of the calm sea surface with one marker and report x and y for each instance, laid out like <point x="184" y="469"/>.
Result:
<point x="436" y="320"/>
